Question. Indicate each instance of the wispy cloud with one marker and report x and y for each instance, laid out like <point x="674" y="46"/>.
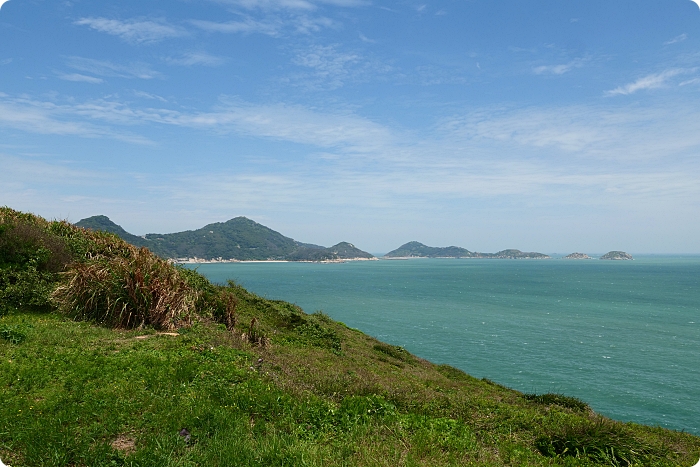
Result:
<point x="291" y="4"/>
<point x="558" y="69"/>
<point x="51" y="119"/>
<point x="134" y="31"/>
<point x="6" y="61"/>
<point x="652" y="81"/>
<point x="677" y="39"/>
<point x="329" y="67"/>
<point x="79" y="78"/>
<point x="246" y="26"/>
<point x="110" y="69"/>
<point x="195" y="58"/>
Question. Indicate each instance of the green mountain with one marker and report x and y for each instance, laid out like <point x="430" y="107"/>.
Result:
<point x="514" y="254"/>
<point x="418" y="250"/>
<point x="103" y="223"/>
<point x="617" y="256"/>
<point x="239" y="239"/>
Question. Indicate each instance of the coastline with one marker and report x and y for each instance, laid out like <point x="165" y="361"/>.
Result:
<point x="218" y="260"/>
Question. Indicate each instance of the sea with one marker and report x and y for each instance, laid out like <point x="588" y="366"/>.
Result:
<point x="623" y="336"/>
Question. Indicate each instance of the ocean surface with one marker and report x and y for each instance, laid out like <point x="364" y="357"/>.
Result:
<point x="623" y="336"/>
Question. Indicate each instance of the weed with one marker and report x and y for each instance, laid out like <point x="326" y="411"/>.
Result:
<point x="395" y="351"/>
<point x="127" y="292"/>
<point x="15" y="334"/>
<point x="558" y="399"/>
<point x="602" y="441"/>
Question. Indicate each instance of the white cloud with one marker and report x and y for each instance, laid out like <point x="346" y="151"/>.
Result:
<point x="195" y="58"/>
<point x="291" y="4"/>
<point x="364" y="38"/>
<point x="134" y="31"/>
<point x="247" y="26"/>
<point x="330" y="68"/>
<point x="107" y="68"/>
<point x="80" y="78"/>
<point x="652" y="81"/>
<point x="558" y="69"/>
<point x="677" y="39"/>
<point x="601" y="133"/>
<point x="52" y="119"/>
<point x="6" y="61"/>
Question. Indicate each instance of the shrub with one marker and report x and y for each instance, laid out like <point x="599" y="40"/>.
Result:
<point x="127" y="291"/>
<point x="395" y="351"/>
<point x="558" y="399"/>
<point x="29" y="258"/>
<point x="602" y="441"/>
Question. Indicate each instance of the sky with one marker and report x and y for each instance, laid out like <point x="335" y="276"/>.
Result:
<point x="549" y="125"/>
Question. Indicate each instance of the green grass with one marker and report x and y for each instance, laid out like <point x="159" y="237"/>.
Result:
<point x="255" y="382"/>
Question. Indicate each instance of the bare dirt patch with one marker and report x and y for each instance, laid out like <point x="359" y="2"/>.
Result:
<point x="172" y="334"/>
<point x="124" y="444"/>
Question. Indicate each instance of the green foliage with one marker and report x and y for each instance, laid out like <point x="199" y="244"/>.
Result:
<point x="15" y="334"/>
<point x="602" y="441"/>
<point x="558" y="399"/>
<point x="317" y="335"/>
<point x="455" y="374"/>
<point x="395" y="351"/>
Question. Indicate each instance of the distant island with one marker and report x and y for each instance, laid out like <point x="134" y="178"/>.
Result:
<point x="577" y="256"/>
<point x="419" y="250"/>
<point x="617" y="256"/>
<point x="239" y="239"/>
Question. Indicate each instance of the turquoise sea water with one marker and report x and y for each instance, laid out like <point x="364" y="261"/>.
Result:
<point x="622" y="335"/>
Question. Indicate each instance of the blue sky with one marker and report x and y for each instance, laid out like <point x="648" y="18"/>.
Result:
<point x="553" y="126"/>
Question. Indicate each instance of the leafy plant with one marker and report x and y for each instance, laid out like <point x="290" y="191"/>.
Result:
<point x="16" y="334"/>
<point x="558" y="399"/>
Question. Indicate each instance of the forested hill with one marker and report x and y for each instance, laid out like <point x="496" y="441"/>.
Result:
<point x="419" y="250"/>
<point x="239" y="239"/>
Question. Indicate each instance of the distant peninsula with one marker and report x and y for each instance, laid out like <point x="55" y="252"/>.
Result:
<point x="577" y="256"/>
<point x="419" y="250"/>
<point x="239" y="239"/>
<point x="617" y="256"/>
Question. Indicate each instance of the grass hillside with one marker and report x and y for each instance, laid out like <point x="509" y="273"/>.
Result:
<point x="110" y="356"/>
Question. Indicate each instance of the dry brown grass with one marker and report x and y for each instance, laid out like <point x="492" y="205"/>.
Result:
<point x="127" y="291"/>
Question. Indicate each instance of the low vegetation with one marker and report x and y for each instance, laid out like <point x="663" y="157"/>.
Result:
<point x="110" y="356"/>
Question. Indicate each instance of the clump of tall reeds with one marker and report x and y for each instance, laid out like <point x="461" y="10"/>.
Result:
<point x="127" y="290"/>
<point x="600" y="440"/>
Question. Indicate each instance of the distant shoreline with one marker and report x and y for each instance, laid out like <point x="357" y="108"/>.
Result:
<point x="215" y="261"/>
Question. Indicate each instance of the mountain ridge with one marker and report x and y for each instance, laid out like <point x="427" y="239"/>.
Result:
<point x="238" y="239"/>
<point x="416" y="249"/>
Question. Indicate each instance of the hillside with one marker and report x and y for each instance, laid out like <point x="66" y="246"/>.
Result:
<point x="419" y="250"/>
<point x="238" y="239"/>
<point x="100" y="369"/>
<point x="104" y="224"/>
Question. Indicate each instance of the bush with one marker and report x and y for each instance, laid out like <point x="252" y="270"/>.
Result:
<point x="602" y="441"/>
<point x="127" y="291"/>
<point x="30" y="257"/>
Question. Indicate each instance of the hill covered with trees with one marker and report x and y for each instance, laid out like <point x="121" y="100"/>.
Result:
<point x="237" y="239"/>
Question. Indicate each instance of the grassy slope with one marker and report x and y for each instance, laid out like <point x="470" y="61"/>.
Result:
<point x="78" y="394"/>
